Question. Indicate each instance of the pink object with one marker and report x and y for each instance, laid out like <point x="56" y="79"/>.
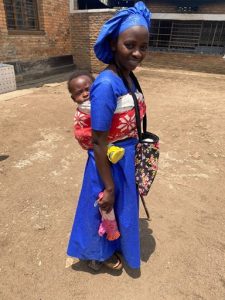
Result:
<point x="108" y="224"/>
<point x="101" y="230"/>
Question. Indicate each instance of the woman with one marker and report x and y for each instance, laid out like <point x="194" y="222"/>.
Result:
<point x="122" y="44"/>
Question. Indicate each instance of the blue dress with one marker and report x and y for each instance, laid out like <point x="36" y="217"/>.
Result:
<point x="84" y="242"/>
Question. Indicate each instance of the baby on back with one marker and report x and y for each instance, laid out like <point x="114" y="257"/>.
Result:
<point x="79" y="85"/>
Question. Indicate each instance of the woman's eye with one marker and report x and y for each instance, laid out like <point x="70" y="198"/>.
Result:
<point x="129" y="46"/>
<point x="144" y="48"/>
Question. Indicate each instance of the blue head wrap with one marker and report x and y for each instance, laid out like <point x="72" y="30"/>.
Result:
<point x="139" y="15"/>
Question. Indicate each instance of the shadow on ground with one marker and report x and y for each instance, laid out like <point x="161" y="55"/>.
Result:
<point x="59" y="78"/>
<point x="148" y="246"/>
<point x="3" y="157"/>
<point x="148" y="243"/>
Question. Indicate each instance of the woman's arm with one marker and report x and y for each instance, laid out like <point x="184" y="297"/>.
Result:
<point x="100" y="151"/>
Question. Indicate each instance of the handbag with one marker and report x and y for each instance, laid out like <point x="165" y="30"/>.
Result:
<point x="147" y="149"/>
<point x="146" y="162"/>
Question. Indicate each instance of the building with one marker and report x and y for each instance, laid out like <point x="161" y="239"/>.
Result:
<point x="35" y="37"/>
<point x="188" y="26"/>
<point x="42" y="37"/>
<point x="196" y="26"/>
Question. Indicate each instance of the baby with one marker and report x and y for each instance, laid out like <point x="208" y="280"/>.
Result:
<point x="79" y="85"/>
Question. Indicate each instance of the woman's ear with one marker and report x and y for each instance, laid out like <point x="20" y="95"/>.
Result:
<point x="113" y="44"/>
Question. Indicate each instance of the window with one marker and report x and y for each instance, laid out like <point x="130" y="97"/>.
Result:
<point x="92" y="4"/>
<point x="192" y="36"/>
<point x="21" y="14"/>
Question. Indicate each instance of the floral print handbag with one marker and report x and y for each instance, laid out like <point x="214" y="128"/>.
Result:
<point x="146" y="162"/>
<point x="147" y="150"/>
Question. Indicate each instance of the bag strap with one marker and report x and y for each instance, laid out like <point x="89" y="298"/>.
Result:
<point x="134" y="78"/>
<point x="136" y="106"/>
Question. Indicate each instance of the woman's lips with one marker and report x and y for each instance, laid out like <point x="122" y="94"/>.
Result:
<point x="134" y="61"/>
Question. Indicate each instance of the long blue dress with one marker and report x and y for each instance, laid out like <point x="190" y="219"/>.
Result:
<point x="85" y="243"/>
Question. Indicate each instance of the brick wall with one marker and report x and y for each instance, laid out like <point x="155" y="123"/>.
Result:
<point x="55" y="25"/>
<point x="84" y="31"/>
<point x="161" y="6"/>
<point x="212" y="8"/>
<point x="169" y="6"/>
<point x="52" y="40"/>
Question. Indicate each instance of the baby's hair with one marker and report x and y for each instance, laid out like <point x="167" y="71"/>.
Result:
<point x="79" y="73"/>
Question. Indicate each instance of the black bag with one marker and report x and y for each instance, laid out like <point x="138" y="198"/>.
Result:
<point x="147" y="150"/>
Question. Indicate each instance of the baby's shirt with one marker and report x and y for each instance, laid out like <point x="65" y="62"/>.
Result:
<point x="85" y="107"/>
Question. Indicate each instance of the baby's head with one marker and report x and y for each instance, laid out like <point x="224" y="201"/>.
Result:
<point x="79" y="85"/>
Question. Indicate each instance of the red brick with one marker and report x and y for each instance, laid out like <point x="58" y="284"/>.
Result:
<point x="54" y="21"/>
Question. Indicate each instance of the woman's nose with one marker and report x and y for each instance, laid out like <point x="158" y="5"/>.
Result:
<point x="137" y="54"/>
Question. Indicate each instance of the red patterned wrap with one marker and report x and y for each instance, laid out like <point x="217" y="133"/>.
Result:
<point x="123" y="125"/>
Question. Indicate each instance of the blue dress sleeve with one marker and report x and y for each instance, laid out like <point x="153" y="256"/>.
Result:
<point x="103" y="105"/>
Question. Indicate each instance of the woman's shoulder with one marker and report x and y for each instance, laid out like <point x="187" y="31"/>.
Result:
<point x="108" y="80"/>
<point x="107" y="76"/>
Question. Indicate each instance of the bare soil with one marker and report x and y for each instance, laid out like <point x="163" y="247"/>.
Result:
<point x="41" y="169"/>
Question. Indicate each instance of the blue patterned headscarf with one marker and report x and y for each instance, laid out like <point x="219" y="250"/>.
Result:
<point x="139" y="15"/>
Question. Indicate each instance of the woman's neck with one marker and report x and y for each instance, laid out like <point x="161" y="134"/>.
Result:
<point x="114" y="67"/>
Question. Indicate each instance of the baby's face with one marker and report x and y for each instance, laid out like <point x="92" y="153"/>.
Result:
<point x="80" y="89"/>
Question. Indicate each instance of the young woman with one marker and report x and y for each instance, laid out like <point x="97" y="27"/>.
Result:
<point x="122" y="44"/>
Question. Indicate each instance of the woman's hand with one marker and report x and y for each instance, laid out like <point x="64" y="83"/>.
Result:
<point x="107" y="201"/>
<point x="103" y="166"/>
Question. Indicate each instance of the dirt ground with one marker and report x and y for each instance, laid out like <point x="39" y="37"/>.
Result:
<point x="41" y="171"/>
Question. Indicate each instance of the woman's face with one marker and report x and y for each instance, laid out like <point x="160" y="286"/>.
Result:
<point x="131" y="47"/>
